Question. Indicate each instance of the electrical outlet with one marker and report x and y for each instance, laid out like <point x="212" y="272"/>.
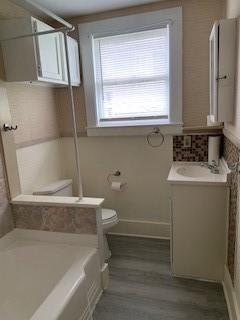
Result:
<point x="187" y="141"/>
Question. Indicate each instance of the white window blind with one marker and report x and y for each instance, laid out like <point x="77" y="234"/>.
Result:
<point x="132" y="75"/>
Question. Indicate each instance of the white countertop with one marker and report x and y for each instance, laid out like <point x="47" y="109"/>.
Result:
<point x="205" y="176"/>
<point x="57" y="201"/>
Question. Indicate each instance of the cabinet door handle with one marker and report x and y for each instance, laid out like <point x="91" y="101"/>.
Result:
<point x="222" y="78"/>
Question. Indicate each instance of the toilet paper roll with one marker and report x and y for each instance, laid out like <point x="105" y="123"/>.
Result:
<point x="116" y="186"/>
<point x="213" y="149"/>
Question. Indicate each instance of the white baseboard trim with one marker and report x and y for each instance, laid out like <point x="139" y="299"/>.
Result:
<point x="139" y="228"/>
<point x="230" y="295"/>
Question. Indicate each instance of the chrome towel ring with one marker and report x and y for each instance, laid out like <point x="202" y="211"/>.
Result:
<point x="155" y="132"/>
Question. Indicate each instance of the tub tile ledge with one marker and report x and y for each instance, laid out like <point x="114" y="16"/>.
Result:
<point x="35" y="200"/>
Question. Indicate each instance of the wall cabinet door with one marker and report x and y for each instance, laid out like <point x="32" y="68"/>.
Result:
<point x="74" y="61"/>
<point x="222" y="67"/>
<point x="73" y="54"/>
<point x="49" y="53"/>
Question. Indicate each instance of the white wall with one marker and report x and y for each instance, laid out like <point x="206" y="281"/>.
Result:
<point x="145" y="169"/>
<point x="143" y="205"/>
<point x="39" y="165"/>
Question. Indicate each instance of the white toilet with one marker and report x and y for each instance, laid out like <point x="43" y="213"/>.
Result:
<point x="109" y="220"/>
<point x="64" y="188"/>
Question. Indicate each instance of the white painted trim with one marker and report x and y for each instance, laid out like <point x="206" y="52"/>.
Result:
<point x="140" y="228"/>
<point x="230" y="295"/>
<point x="138" y="236"/>
<point x="174" y="128"/>
<point x="180" y="276"/>
<point x="120" y="25"/>
<point x="105" y="276"/>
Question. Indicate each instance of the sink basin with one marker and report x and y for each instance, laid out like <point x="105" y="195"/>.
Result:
<point x="193" y="171"/>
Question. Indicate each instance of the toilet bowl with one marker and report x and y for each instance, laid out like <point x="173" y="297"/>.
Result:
<point x="109" y="220"/>
<point x="64" y="188"/>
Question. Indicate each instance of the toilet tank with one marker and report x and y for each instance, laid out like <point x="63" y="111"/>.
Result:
<point x="58" y="188"/>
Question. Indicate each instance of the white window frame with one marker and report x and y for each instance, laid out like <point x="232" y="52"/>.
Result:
<point x="133" y="23"/>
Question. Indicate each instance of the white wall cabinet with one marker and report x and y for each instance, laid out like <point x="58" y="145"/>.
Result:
<point x="37" y="59"/>
<point x="222" y="48"/>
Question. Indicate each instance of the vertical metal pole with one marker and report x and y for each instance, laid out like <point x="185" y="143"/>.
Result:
<point x="70" y="90"/>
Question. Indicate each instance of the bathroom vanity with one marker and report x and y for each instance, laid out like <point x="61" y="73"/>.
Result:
<point x="198" y="220"/>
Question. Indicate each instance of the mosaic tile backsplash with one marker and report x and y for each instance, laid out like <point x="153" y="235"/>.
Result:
<point x="197" y="152"/>
<point x="56" y="219"/>
<point x="231" y="154"/>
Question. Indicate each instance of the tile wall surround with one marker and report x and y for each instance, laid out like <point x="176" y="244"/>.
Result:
<point x="56" y="219"/>
<point x="231" y="154"/>
<point x="34" y="110"/>
<point x="6" y="218"/>
<point x="197" y="152"/>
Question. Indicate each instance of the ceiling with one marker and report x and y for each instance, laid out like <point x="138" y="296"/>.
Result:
<point x="71" y="8"/>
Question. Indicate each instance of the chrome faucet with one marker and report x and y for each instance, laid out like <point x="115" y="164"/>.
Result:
<point x="213" y="167"/>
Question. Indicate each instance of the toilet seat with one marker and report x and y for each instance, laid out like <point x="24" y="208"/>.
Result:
<point x="109" y="217"/>
<point x="108" y="214"/>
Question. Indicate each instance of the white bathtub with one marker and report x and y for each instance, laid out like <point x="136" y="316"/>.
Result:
<point x="47" y="276"/>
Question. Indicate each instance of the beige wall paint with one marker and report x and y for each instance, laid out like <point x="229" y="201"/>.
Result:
<point x="198" y="17"/>
<point x="9" y="10"/>
<point x="233" y="8"/>
<point x="64" y="112"/>
<point x="33" y="109"/>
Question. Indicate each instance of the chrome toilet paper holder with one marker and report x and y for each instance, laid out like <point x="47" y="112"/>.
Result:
<point x="115" y="174"/>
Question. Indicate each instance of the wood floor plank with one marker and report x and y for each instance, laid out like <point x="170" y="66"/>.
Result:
<point x="142" y="288"/>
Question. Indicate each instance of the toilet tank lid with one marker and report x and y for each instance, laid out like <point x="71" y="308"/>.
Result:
<point x="53" y="187"/>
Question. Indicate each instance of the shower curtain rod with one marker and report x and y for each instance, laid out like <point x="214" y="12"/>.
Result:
<point x="67" y="27"/>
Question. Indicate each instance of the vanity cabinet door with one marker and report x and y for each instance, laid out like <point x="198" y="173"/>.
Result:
<point x="49" y="53"/>
<point x="198" y="236"/>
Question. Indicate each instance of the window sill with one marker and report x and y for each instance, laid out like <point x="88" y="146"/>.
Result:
<point x="136" y="130"/>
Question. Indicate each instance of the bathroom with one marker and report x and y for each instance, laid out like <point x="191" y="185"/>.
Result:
<point x="124" y="217"/>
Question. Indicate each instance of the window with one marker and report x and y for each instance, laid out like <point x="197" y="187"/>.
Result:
<point x="132" y="70"/>
<point x="132" y="75"/>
